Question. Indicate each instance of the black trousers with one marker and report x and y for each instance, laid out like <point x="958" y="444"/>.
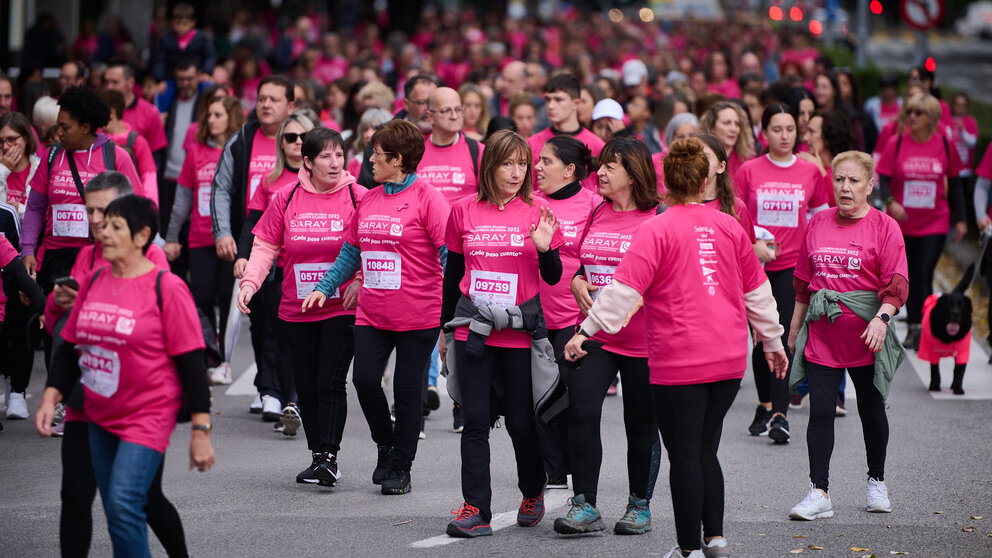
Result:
<point x="166" y="199"/>
<point x="823" y="385"/>
<point x="57" y="263"/>
<point x="769" y="387"/>
<point x="17" y="344"/>
<point x="413" y="353"/>
<point x="691" y="421"/>
<point x="554" y="435"/>
<point x="79" y="490"/>
<point x="320" y="353"/>
<point x="212" y="280"/>
<point x="922" y="253"/>
<point x="586" y="391"/>
<point x="508" y="371"/>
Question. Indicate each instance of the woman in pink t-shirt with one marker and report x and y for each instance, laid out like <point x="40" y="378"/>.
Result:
<point x="695" y="270"/>
<point x="629" y="186"/>
<point x="563" y="162"/>
<point x="919" y="182"/>
<point x="964" y="133"/>
<point x="851" y="248"/>
<point x="719" y="191"/>
<point x="210" y="276"/>
<point x="780" y="190"/>
<point x="18" y="161"/>
<point x="729" y="122"/>
<point x="140" y="355"/>
<point x="304" y="228"/>
<point x="501" y="245"/>
<point x="396" y="240"/>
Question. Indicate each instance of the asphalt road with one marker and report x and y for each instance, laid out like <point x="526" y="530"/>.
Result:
<point x="249" y="505"/>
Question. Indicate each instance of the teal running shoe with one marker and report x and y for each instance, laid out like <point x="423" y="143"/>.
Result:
<point x="637" y="520"/>
<point x="583" y="517"/>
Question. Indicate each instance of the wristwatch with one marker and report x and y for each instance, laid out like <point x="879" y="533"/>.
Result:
<point x="583" y="332"/>
<point x="203" y="428"/>
<point x="884" y="317"/>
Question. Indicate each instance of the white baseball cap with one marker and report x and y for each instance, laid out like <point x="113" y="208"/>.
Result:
<point x="607" y="108"/>
<point x="634" y="72"/>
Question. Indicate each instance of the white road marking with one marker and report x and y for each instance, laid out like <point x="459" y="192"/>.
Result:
<point x="552" y="500"/>
<point x="245" y="384"/>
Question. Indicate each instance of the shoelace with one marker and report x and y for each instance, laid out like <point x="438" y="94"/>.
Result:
<point x="529" y="505"/>
<point x="465" y="512"/>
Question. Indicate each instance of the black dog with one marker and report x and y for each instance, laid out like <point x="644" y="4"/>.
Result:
<point x="947" y="331"/>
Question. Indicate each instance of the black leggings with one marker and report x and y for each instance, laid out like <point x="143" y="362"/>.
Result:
<point x="554" y="435"/>
<point x="586" y="391"/>
<point x="321" y="353"/>
<point x="413" y="354"/>
<point x="79" y="490"/>
<point x="770" y="388"/>
<point x="508" y="372"/>
<point x="691" y="421"/>
<point x="211" y="281"/>
<point x="16" y="344"/>
<point x="823" y="385"/>
<point x="922" y="253"/>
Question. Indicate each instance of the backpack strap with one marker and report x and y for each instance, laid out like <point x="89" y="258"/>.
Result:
<point x="473" y="151"/>
<point x="898" y="145"/>
<point x="52" y="154"/>
<point x="351" y="192"/>
<point x="93" y="278"/>
<point x="291" y="194"/>
<point x="158" y="288"/>
<point x="132" y="137"/>
<point x="110" y="155"/>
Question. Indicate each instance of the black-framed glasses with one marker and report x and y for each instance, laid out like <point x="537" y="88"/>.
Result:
<point x="9" y="139"/>
<point x="292" y="137"/>
<point x="375" y="153"/>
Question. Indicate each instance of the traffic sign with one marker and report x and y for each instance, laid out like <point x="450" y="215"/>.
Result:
<point x="922" y="14"/>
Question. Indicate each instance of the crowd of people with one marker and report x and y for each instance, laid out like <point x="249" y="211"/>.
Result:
<point x="536" y="210"/>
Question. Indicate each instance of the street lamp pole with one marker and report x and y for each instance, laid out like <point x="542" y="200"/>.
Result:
<point x="862" y="33"/>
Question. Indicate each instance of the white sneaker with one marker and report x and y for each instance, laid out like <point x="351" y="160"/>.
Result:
<point x="271" y="409"/>
<point x="290" y="420"/>
<point x="878" y="497"/>
<point x="716" y="548"/>
<point x="221" y="374"/>
<point x="256" y="405"/>
<point x="677" y="553"/>
<point x="17" y="407"/>
<point x="814" y="506"/>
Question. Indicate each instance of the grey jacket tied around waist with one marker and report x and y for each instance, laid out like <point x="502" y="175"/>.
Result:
<point x="865" y="305"/>
<point x="549" y="396"/>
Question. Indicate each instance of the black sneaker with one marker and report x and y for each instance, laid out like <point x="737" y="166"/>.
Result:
<point x="433" y="399"/>
<point x="397" y="482"/>
<point x="327" y="470"/>
<point x="779" y="430"/>
<point x="557" y="482"/>
<point x="759" y="426"/>
<point x="468" y="523"/>
<point x="308" y="476"/>
<point x="457" y="419"/>
<point x="382" y="464"/>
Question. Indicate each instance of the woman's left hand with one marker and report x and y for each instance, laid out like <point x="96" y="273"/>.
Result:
<point x="542" y="233"/>
<point x="573" y="349"/>
<point x="874" y="334"/>
<point x="960" y="230"/>
<point x="349" y="298"/>
<point x="201" y="452"/>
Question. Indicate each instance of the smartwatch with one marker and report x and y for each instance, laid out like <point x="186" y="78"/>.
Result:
<point x="583" y="332"/>
<point x="884" y="317"/>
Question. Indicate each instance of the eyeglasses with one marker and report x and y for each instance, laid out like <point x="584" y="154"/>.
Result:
<point x="446" y="112"/>
<point x="9" y="139"/>
<point x="291" y="137"/>
<point x="376" y="153"/>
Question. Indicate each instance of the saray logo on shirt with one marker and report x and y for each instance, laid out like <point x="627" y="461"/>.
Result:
<point x="337" y="226"/>
<point x="569" y="230"/>
<point x="396" y="230"/>
<point x="458" y="178"/>
<point x="125" y="326"/>
<point x="922" y="165"/>
<point x="516" y="240"/>
<point x="624" y="246"/>
<point x="854" y="264"/>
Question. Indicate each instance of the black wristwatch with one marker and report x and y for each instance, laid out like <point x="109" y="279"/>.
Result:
<point x="583" y="332"/>
<point x="884" y="317"/>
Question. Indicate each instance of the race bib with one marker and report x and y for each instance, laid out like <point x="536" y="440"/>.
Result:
<point x="497" y="289"/>
<point x="101" y="369"/>
<point x="778" y="210"/>
<point x="307" y="277"/>
<point x="920" y="194"/>
<point x="69" y="219"/>
<point x="203" y="200"/>
<point x="382" y="270"/>
<point x="599" y="276"/>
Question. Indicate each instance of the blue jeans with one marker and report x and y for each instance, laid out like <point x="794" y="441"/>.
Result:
<point x="435" y="370"/>
<point x="124" y="472"/>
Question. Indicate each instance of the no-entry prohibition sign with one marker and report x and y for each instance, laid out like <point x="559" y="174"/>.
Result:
<point x="922" y="14"/>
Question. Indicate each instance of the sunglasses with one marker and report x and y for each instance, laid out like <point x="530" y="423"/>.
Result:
<point x="917" y="112"/>
<point x="291" y="137"/>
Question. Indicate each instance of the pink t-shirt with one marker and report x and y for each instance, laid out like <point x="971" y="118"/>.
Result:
<point x="933" y="349"/>
<point x="560" y="309"/>
<point x="130" y="383"/>
<point x="919" y="182"/>
<point x="197" y="174"/>
<point x="743" y="216"/>
<point x="501" y="266"/>
<point x="778" y="199"/>
<point x="591" y="140"/>
<point x="399" y="236"/>
<point x="263" y="196"/>
<point x="17" y="181"/>
<point x="311" y="232"/>
<point x="263" y="160"/>
<point x="965" y="153"/>
<point x="66" y="224"/>
<point x="148" y="187"/>
<point x="7" y="254"/>
<point x="859" y="257"/>
<point x="147" y="121"/>
<point x="450" y="169"/>
<point x="693" y="266"/>
<point x="728" y="88"/>
<point x="606" y="242"/>
<point x="734" y="163"/>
